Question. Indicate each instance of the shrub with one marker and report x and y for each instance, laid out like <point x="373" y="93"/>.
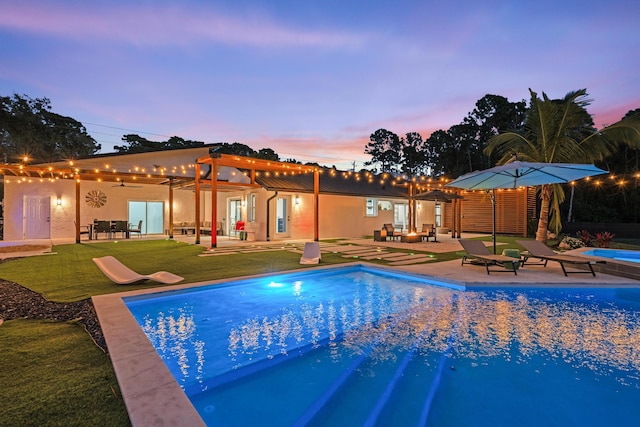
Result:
<point x="586" y="237"/>
<point x="604" y="239"/>
<point x="569" y="242"/>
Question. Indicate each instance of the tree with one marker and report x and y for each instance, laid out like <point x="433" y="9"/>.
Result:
<point x="395" y="154"/>
<point x="267" y="154"/>
<point x="494" y="114"/>
<point x="414" y="159"/>
<point x="561" y="131"/>
<point x="385" y="149"/>
<point x="461" y="148"/>
<point x="139" y="144"/>
<point x="29" y="129"/>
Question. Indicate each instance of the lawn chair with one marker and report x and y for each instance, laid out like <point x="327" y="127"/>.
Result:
<point x="480" y="254"/>
<point x="428" y="230"/>
<point x="311" y="253"/>
<point x="123" y="275"/>
<point x="544" y="253"/>
<point x="391" y="233"/>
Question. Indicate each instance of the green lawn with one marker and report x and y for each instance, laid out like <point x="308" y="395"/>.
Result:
<point x="52" y="373"/>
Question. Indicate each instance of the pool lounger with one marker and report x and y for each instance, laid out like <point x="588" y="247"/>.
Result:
<point x="123" y="275"/>
<point x="476" y="250"/>
<point x="539" y="250"/>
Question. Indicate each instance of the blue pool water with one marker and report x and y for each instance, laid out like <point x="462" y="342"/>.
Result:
<point x="362" y="347"/>
<point x="619" y="254"/>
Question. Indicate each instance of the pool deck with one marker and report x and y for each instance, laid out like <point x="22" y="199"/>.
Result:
<point x="154" y="398"/>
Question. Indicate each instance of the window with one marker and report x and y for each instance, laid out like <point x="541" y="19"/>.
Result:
<point x="385" y="205"/>
<point x="438" y="215"/>
<point x="251" y="208"/>
<point x="371" y="207"/>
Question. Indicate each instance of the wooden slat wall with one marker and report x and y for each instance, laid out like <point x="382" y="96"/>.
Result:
<point x="512" y="209"/>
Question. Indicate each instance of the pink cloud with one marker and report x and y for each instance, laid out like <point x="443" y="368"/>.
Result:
<point x="163" y="25"/>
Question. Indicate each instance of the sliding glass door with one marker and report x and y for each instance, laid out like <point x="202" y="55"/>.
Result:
<point x="150" y="213"/>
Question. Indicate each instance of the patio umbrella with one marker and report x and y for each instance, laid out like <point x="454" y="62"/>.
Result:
<point x="522" y="174"/>
<point x="437" y="196"/>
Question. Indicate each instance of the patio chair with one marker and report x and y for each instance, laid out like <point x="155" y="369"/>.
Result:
<point x="123" y="275"/>
<point x="479" y="253"/>
<point x="121" y="227"/>
<point x="311" y="253"/>
<point x="84" y="229"/>
<point x="102" y="227"/>
<point x="391" y="232"/>
<point x="238" y="230"/>
<point x="136" y="229"/>
<point x="544" y="253"/>
<point x="428" y="230"/>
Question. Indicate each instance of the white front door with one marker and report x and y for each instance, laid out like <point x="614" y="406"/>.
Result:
<point x="235" y="214"/>
<point x="282" y="217"/>
<point x="37" y="217"/>
<point x="401" y="216"/>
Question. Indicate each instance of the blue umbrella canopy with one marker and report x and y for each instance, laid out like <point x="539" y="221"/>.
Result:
<point x="523" y="174"/>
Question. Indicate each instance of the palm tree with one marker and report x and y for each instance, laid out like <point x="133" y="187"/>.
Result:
<point x="562" y="131"/>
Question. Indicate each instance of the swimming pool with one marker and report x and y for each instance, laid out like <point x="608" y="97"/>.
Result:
<point x="361" y="346"/>
<point x="618" y="254"/>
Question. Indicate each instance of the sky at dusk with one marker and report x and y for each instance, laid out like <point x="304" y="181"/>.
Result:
<point x="309" y="79"/>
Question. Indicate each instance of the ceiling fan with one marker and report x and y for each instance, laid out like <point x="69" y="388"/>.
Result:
<point x="128" y="185"/>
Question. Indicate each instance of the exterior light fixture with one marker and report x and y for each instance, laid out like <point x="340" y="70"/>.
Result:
<point x="59" y="201"/>
<point x="297" y="200"/>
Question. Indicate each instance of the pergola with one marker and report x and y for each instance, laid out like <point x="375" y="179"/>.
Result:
<point x="251" y="165"/>
<point x="248" y="165"/>
<point x="214" y="160"/>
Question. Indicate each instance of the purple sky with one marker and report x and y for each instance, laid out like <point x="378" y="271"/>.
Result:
<point x="311" y="80"/>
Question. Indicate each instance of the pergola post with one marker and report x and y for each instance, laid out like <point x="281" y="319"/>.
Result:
<point x="197" y="203"/>
<point x="170" y="208"/>
<point x="214" y="204"/>
<point x="316" y="205"/>
<point x="77" y="180"/>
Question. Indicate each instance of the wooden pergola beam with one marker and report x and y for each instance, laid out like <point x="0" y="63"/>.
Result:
<point x="216" y="160"/>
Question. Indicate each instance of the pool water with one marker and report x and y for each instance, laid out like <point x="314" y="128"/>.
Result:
<point x="619" y="254"/>
<point x="359" y="346"/>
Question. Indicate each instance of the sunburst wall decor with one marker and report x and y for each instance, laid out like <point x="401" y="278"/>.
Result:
<point x="96" y="198"/>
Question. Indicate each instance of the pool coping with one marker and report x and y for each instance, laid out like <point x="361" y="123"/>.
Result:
<point x="151" y="394"/>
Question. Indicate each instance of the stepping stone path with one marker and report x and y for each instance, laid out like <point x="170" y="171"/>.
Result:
<point x="348" y="251"/>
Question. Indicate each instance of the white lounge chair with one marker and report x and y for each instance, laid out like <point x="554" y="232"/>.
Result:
<point x="123" y="275"/>
<point x="311" y="254"/>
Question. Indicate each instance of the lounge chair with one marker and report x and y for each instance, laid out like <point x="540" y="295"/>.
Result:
<point x="477" y="251"/>
<point x="311" y="253"/>
<point x="544" y="253"/>
<point x="123" y="275"/>
<point x="391" y="232"/>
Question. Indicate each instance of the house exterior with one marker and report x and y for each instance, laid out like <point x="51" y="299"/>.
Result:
<point x="159" y="189"/>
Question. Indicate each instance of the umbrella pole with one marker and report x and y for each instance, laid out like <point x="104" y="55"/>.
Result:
<point x="493" y="202"/>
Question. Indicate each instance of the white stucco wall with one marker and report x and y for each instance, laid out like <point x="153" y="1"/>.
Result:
<point x="62" y="217"/>
<point x="340" y="216"/>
